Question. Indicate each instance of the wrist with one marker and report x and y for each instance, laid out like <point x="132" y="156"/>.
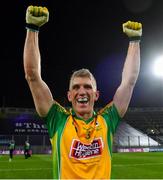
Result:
<point x="32" y="27"/>
<point x="135" y="39"/>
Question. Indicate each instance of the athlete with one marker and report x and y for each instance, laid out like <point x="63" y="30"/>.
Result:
<point x="81" y="138"/>
<point x="27" y="150"/>
<point x="11" y="149"/>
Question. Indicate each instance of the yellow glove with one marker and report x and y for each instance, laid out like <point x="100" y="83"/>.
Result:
<point x="36" y="16"/>
<point x="133" y="30"/>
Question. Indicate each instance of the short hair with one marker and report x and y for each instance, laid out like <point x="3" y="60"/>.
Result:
<point x="83" y="73"/>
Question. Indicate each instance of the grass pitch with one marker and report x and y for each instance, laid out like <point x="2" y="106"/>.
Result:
<point x="36" y="167"/>
<point x="124" y="166"/>
<point x="147" y="165"/>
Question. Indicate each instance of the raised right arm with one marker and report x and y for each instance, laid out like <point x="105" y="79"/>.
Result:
<point x="32" y="66"/>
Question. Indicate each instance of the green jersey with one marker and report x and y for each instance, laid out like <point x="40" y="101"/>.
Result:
<point x="11" y="146"/>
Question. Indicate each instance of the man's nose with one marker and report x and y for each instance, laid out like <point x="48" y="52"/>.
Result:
<point x="81" y="90"/>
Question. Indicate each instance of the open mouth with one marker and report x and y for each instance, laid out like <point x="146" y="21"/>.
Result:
<point x="83" y="100"/>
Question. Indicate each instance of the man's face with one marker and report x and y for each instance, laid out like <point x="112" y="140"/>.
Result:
<point x="82" y="95"/>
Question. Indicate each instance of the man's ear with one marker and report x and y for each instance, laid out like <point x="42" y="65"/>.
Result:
<point x="69" y="96"/>
<point x="97" y="95"/>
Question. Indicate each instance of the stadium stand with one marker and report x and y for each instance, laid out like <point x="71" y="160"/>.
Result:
<point x="127" y="136"/>
<point x="148" y="120"/>
<point x="21" y="124"/>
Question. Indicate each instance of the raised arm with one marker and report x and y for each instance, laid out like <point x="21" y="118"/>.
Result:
<point x="131" y="67"/>
<point x="35" y="18"/>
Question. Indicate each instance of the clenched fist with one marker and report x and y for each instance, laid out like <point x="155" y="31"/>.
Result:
<point x="132" y="29"/>
<point x="36" y="16"/>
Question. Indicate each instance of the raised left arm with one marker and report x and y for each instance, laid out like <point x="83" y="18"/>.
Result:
<point x="131" y="67"/>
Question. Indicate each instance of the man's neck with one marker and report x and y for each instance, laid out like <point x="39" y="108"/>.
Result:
<point x="84" y="116"/>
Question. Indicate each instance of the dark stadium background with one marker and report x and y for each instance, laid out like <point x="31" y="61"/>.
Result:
<point x="81" y="33"/>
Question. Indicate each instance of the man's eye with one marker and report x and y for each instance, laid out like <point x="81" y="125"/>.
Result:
<point x="75" y="87"/>
<point x="87" y="86"/>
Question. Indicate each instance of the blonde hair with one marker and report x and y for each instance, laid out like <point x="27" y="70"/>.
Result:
<point x="83" y="73"/>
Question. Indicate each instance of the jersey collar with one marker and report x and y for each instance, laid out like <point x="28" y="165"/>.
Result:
<point x="79" y="118"/>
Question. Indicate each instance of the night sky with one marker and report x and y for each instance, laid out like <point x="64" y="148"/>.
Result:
<point x="81" y="34"/>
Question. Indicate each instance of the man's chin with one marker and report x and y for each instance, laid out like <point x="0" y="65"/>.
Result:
<point x="83" y="111"/>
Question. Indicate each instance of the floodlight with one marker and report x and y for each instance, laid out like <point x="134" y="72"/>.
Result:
<point x="158" y="67"/>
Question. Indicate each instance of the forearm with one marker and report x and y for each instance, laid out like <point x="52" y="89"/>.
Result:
<point x="132" y="65"/>
<point x="31" y="56"/>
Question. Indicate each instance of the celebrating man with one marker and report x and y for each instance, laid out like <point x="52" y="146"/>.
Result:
<point x="81" y="138"/>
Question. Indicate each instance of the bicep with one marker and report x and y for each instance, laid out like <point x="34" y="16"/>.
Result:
<point x="122" y="98"/>
<point x="41" y="95"/>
